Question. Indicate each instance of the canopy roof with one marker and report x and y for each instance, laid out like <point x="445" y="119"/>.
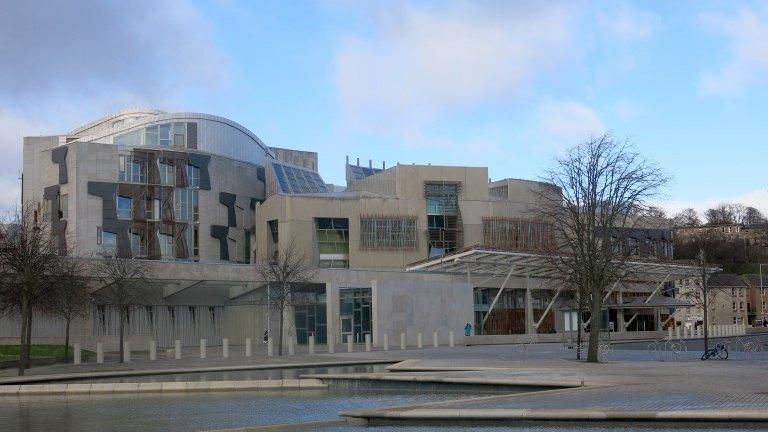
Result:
<point x="484" y="261"/>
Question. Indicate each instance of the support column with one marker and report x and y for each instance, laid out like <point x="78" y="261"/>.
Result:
<point x="620" y="311"/>
<point x="658" y="319"/>
<point x="530" y="327"/>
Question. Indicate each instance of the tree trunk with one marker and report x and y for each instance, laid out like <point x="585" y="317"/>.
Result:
<point x="66" y="342"/>
<point x="29" y="337"/>
<point x="280" y="336"/>
<point x="122" y="333"/>
<point x="706" y="322"/>
<point x="23" y="339"/>
<point x="579" y="323"/>
<point x="594" y="329"/>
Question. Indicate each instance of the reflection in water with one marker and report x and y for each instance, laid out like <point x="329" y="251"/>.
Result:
<point x="257" y="374"/>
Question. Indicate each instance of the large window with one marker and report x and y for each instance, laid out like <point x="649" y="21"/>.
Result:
<point x="333" y="242"/>
<point x="355" y="313"/>
<point x="193" y="176"/>
<point x="137" y="247"/>
<point x="167" y="173"/>
<point x="388" y="233"/>
<point x="106" y="240"/>
<point x="166" y="245"/>
<point x="185" y="204"/>
<point x="443" y="222"/>
<point x="130" y="139"/>
<point x="165" y="134"/>
<point x="124" y="207"/>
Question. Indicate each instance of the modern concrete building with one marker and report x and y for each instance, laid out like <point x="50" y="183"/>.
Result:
<point x="202" y="198"/>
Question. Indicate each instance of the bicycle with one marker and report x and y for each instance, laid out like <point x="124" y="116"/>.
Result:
<point x="718" y="351"/>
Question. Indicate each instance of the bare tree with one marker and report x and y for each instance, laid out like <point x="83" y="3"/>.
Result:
<point x="124" y="286"/>
<point x="753" y="216"/>
<point x="28" y="256"/>
<point x="70" y="298"/>
<point x="686" y="219"/>
<point x="656" y="212"/>
<point x="725" y="213"/>
<point x="605" y="186"/>
<point x="284" y="277"/>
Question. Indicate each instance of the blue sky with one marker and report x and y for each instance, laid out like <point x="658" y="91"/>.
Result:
<point x="501" y="84"/>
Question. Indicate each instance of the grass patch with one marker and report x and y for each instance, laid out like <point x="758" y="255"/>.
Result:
<point x="11" y="352"/>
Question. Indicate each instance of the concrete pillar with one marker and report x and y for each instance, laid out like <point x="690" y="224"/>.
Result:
<point x="126" y="352"/>
<point x="658" y="321"/>
<point x="419" y="343"/>
<point x="350" y="348"/>
<point x="177" y="349"/>
<point x="434" y="339"/>
<point x="402" y="341"/>
<point x="152" y="350"/>
<point x="290" y="346"/>
<point x="529" y="324"/>
<point x="311" y="344"/>
<point x="331" y="343"/>
<point x="367" y="343"/>
<point x="386" y="341"/>
<point x="202" y="349"/>
<point x="248" y="347"/>
<point x="685" y="331"/>
<point x="270" y="350"/>
<point x="450" y="339"/>
<point x="225" y="348"/>
<point x="99" y="352"/>
<point x="677" y="333"/>
<point x="669" y="333"/>
<point x="78" y="355"/>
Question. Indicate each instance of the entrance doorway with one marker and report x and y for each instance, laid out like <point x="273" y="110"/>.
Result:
<point x="355" y="313"/>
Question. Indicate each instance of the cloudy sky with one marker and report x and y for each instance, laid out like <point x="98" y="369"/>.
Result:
<point x="502" y="84"/>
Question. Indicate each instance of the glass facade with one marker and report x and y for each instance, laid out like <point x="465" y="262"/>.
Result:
<point x="355" y="313"/>
<point x="333" y="242"/>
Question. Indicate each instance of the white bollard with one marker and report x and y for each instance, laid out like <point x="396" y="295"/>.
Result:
<point x="177" y="349"/>
<point x="349" y="343"/>
<point x="669" y="333"/>
<point x="386" y="342"/>
<point x="202" y="348"/>
<point x="402" y="341"/>
<point x="270" y="350"/>
<point x="152" y="350"/>
<point x="434" y="340"/>
<point x="248" y="347"/>
<point x="419" y="342"/>
<point x="77" y="354"/>
<point x="290" y="346"/>
<point x="677" y="333"/>
<point x="367" y="343"/>
<point x="225" y="348"/>
<point x="127" y="352"/>
<point x="99" y="352"/>
<point x="312" y="344"/>
<point x="450" y="339"/>
<point x="331" y="343"/>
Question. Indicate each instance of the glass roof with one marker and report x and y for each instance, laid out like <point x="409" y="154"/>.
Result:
<point x="293" y="180"/>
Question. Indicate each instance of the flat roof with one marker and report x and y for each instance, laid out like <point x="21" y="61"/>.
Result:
<point x="484" y="261"/>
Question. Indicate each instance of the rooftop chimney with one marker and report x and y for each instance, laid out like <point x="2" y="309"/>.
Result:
<point x="383" y="165"/>
<point x="370" y="163"/>
<point x="358" y="161"/>
<point x="347" y="159"/>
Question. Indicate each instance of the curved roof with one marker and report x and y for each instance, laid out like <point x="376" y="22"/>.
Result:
<point x="129" y="112"/>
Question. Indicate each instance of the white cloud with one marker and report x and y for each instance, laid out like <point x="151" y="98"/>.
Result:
<point x="568" y="122"/>
<point x="756" y="198"/>
<point x="747" y="34"/>
<point x="421" y="62"/>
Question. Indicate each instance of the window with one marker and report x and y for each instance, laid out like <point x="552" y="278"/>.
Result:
<point x="741" y="305"/>
<point x="153" y="209"/>
<point x="185" y="204"/>
<point x="135" y="171"/>
<point x="193" y="176"/>
<point x="124" y="207"/>
<point x="520" y="235"/>
<point x="499" y="191"/>
<point x="130" y="139"/>
<point x="150" y="136"/>
<point x="123" y="169"/>
<point x="137" y="248"/>
<point x="106" y="239"/>
<point x="167" y="173"/>
<point x="387" y="233"/>
<point x="442" y="208"/>
<point x="196" y="247"/>
<point x="734" y="305"/>
<point x="166" y="245"/>
<point x="165" y="134"/>
<point x="63" y="206"/>
<point x="333" y="242"/>
<point x="179" y="133"/>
